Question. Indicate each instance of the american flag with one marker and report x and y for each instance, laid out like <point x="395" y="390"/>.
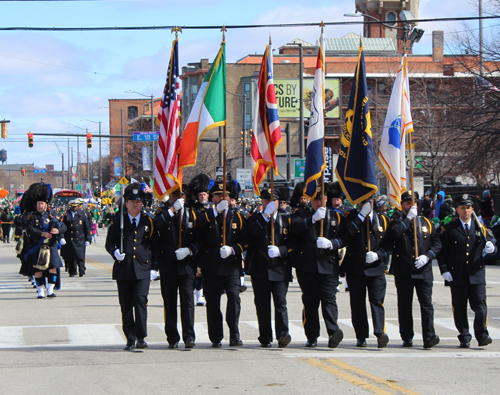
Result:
<point x="167" y="176"/>
<point x="266" y="123"/>
<point x="485" y="86"/>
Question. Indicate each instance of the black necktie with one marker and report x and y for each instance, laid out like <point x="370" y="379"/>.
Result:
<point x="133" y="223"/>
<point x="466" y="228"/>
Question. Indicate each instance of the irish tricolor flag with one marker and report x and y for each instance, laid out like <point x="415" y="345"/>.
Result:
<point x="208" y="112"/>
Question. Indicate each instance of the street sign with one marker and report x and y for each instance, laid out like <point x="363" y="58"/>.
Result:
<point x="123" y="181"/>
<point x="39" y="170"/>
<point x="146" y="136"/>
<point x="244" y="176"/>
<point x="219" y="171"/>
<point x="78" y="187"/>
<point x="300" y="168"/>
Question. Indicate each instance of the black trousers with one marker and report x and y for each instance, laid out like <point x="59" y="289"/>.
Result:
<point x="475" y="294"/>
<point x="213" y="287"/>
<point x="170" y="284"/>
<point x="6" y="232"/>
<point x="76" y="266"/>
<point x="318" y="288"/>
<point x="423" y="287"/>
<point x="262" y="291"/>
<point x="358" y="285"/>
<point x="133" y="297"/>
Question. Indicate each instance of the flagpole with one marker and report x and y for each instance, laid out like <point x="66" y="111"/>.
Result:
<point x="323" y="203"/>
<point x="272" y="199"/>
<point x="224" y="30"/>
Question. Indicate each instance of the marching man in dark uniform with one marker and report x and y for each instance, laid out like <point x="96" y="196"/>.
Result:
<point x="269" y="267"/>
<point x="43" y="231"/>
<point x="135" y="266"/>
<point x="221" y="265"/>
<point x="177" y="267"/>
<point x="317" y="266"/>
<point x="365" y="268"/>
<point x="462" y="267"/>
<point x="76" y="239"/>
<point x="414" y="271"/>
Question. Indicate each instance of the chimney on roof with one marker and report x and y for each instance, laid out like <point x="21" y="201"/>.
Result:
<point x="438" y="45"/>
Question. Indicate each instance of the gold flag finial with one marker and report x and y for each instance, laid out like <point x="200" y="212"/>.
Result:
<point x="322" y="25"/>
<point x="270" y="38"/>
<point x="223" y="30"/>
<point x="177" y="30"/>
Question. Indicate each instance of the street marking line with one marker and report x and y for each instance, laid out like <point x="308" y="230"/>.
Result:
<point x="347" y="377"/>
<point x="410" y="355"/>
<point x="99" y="265"/>
<point x="349" y="368"/>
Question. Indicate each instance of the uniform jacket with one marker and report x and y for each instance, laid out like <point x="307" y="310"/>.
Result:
<point x="462" y="255"/>
<point x="34" y="224"/>
<point x="357" y="245"/>
<point x="139" y="245"/>
<point x="306" y="257"/>
<point x="403" y="255"/>
<point x="77" y="233"/>
<point x="257" y="263"/>
<point x="168" y="230"/>
<point x="211" y="231"/>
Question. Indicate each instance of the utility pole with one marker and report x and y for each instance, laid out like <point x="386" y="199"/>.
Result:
<point x="481" y="39"/>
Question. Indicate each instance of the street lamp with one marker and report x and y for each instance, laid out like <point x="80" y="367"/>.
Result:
<point x="406" y="17"/>
<point x="100" y="152"/>
<point x="152" y="122"/>
<point x="123" y="143"/>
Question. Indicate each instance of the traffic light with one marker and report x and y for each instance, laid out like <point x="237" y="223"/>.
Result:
<point x="89" y="140"/>
<point x="250" y="136"/>
<point x="243" y="136"/>
<point x="4" y="130"/>
<point x="30" y="141"/>
<point x="23" y="172"/>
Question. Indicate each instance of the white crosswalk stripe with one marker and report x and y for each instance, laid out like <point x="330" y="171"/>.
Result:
<point x="112" y="335"/>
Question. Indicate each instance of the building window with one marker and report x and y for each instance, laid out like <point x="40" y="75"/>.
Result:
<point x="431" y="86"/>
<point x="194" y="91"/>
<point x="381" y="88"/>
<point x="248" y="121"/>
<point x="370" y="89"/>
<point x="132" y="112"/>
<point x="246" y="87"/>
<point x="391" y="17"/>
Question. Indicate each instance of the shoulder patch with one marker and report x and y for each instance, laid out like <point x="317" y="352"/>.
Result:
<point x="346" y="214"/>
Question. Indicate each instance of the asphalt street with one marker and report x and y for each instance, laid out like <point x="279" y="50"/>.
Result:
<point x="73" y="344"/>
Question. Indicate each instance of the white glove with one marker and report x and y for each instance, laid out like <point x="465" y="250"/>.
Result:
<point x="421" y="261"/>
<point x="319" y="214"/>
<point x="153" y="275"/>
<point x="222" y="206"/>
<point x="179" y="204"/>
<point x="273" y="251"/>
<point x="226" y="251"/>
<point x="270" y="208"/>
<point x="371" y="256"/>
<point x="62" y="241"/>
<point x="181" y="253"/>
<point x="447" y="276"/>
<point x="412" y="213"/>
<point x="366" y="209"/>
<point x="118" y="256"/>
<point x="87" y="244"/>
<point x="489" y="248"/>
<point x="324" y="243"/>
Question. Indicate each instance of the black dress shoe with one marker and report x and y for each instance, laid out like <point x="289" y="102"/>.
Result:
<point x="190" y="343"/>
<point x="141" y="343"/>
<point x="361" y="343"/>
<point x="284" y="341"/>
<point x="130" y="345"/>
<point x="431" y="342"/>
<point x="173" y="345"/>
<point x="407" y="343"/>
<point x="335" y="338"/>
<point x="312" y="343"/>
<point x="382" y="340"/>
<point x="265" y="345"/>
<point x="52" y="295"/>
<point x="464" y="344"/>
<point x="72" y="275"/>
<point x="235" y="343"/>
<point x="485" y="341"/>
<point x="216" y="345"/>
<point x="81" y="274"/>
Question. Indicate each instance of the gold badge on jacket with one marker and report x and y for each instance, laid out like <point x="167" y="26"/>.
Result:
<point x="380" y="229"/>
<point x="189" y="225"/>
<point x="285" y="231"/>
<point x="80" y="222"/>
<point x="333" y="222"/>
<point x="234" y="226"/>
<point x="146" y="229"/>
<point x="424" y="229"/>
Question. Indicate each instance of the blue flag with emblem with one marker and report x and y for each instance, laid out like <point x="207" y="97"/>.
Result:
<point x="356" y="164"/>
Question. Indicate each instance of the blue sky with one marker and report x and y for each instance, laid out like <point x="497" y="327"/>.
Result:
<point x="52" y="80"/>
